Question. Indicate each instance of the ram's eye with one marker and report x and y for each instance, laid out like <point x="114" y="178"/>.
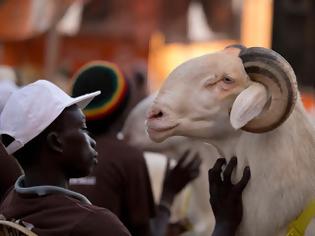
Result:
<point x="228" y="80"/>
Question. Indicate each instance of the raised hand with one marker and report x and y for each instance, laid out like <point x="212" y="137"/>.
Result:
<point x="225" y="197"/>
<point x="178" y="177"/>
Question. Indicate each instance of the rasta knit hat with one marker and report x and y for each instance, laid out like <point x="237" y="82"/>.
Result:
<point x="107" y="107"/>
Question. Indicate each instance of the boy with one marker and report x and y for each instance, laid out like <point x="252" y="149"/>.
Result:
<point x="45" y="130"/>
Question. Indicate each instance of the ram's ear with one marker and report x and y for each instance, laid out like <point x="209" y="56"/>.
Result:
<point x="248" y="105"/>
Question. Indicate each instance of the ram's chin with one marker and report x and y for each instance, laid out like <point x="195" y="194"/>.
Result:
<point x="159" y="136"/>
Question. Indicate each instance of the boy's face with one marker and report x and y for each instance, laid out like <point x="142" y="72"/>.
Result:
<point x="78" y="155"/>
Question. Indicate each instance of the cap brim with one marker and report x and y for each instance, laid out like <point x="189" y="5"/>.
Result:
<point x="84" y="100"/>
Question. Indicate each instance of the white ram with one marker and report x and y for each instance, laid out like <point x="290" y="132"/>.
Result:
<point x="194" y="203"/>
<point x="245" y="102"/>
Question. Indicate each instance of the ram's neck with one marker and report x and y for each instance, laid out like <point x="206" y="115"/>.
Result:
<point x="293" y="139"/>
<point x="226" y="147"/>
<point x="282" y="164"/>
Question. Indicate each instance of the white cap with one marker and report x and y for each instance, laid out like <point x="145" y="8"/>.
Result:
<point x="31" y="109"/>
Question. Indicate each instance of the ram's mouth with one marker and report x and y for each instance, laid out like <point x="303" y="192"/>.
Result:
<point x="158" y="131"/>
<point x="159" y="128"/>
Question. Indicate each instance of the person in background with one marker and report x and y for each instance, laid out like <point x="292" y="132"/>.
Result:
<point x="120" y="181"/>
<point x="9" y="168"/>
<point x="45" y="130"/>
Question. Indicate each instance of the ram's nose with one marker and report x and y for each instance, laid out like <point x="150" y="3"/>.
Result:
<point x="155" y="113"/>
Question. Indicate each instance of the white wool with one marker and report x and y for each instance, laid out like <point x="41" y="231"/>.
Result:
<point x="194" y="201"/>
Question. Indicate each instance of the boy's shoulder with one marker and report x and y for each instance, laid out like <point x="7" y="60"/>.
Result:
<point x="95" y="220"/>
<point x="60" y="214"/>
<point x="100" y="220"/>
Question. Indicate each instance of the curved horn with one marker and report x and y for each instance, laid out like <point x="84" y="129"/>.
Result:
<point x="273" y="71"/>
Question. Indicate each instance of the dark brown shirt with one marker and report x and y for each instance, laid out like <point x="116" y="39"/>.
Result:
<point x="120" y="183"/>
<point x="59" y="213"/>
<point x="9" y="171"/>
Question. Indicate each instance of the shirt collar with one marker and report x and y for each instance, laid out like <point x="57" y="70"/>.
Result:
<point x="43" y="190"/>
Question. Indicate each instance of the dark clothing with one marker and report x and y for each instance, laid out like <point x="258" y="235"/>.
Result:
<point x="9" y="171"/>
<point x="120" y="183"/>
<point x="55" y="211"/>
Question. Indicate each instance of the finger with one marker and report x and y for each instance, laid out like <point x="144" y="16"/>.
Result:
<point x="194" y="163"/>
<point x="228" y="170"/>
<point x="194" y="174"/>
<point x="214" y="174"/>
<point x="243" y="182"/>
<point x="214" y="177"/>
<point x="167" y="168"/>
<point x="182" y="159"/>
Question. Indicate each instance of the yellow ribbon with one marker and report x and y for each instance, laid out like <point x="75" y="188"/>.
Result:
<point x="298" y="227"/>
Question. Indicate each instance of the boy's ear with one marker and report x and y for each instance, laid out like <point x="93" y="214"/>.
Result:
<point x="54" y="142"/>
<point x="248" y="105"/>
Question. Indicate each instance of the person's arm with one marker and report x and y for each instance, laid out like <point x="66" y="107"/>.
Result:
<point x="9" y="171"/>
<point x="226" y="198"/>
<point x="175" y="180"/>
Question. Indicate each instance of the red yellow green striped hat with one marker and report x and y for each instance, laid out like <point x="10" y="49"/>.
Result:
<point x="108" y="78"/>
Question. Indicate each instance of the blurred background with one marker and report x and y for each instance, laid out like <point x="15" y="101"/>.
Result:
<point x="51" y="39"/>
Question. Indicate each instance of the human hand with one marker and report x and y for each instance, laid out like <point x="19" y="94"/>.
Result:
<point x="178" y="177"/>
<point x="179" y="227"/>
<point x="225" y="197"/>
